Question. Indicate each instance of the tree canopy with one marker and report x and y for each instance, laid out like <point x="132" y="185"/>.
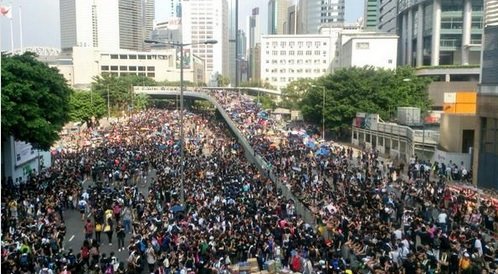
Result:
<point x="293" y="93"/>
<point x="85" y="104"/>
<point x="119" y="89"/>
<point x="352" y="90"/>
<point x="35" y="100"/>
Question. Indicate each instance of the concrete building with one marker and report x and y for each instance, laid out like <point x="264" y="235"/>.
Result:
<point x="313" y="13"/>
<point x="135" y="23"/>
<point x="292" y="19"/>
<point x="486" y="158"/>
<point x="174" y="8"/>
<point x="84" y="63"/>
<point x="207" y="20"/>
<point x="285" y="58"/>
<point x="440" y="32"/>
<point x="254" y="45"/>
<point x="371" y="17"/>
<point x="168" y="31"/>
<point x="369" y="49"/>
<point x="387" y="16"/>
<point x="108" y="25"/>
<point x="277" y="16"/>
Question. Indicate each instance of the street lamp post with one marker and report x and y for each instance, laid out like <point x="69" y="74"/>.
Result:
<point x="182" y="137"/>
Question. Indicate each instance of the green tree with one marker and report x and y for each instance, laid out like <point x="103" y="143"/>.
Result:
<point x="141" y="101"/>
<point x="222" y="81"/>
<point x="35" y="100"/>
<point x="266" y="101"/>
<point x="84" y="105"/>
<point x="352" y="90"/>
<point x="293" y="93"/>
<point x="119" y="89"/>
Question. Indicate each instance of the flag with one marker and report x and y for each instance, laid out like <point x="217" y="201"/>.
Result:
<point x="6" y="11"/>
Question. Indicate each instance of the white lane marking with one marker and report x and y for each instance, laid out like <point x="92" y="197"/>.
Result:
<point x="72" y="237"/>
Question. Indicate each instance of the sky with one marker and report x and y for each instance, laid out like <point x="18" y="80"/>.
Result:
<point x="40" y="19"/>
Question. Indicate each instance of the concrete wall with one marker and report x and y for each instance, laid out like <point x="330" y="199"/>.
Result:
<point x="436" y="90"/>
<point x="452" y="126"/>
<point x="445" y="157"/>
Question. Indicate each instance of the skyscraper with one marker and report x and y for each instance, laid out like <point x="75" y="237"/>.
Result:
<point x="313" y="13"/>
<point x="107" y="25"/>
<point x="135" y="23"/>
<point x="388" y="12"/>
<point x="254" y="45"/>
<point x="206" y="20"/>
<point x="277" y="16"/>
<point x="440" y="32"/>
<point x="371" y="14"/>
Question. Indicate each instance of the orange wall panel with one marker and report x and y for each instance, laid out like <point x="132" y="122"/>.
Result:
<point x="466" y="97"/>
<point x="465" y="108"/>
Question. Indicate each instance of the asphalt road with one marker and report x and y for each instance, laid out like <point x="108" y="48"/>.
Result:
<point x="75" y="234"/>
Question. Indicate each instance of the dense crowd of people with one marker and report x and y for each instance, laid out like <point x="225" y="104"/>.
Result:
<point x="370" y="219"/>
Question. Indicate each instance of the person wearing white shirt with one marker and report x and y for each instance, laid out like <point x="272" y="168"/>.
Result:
<point x="442" y="220"/>
<point x="478" y="245"/>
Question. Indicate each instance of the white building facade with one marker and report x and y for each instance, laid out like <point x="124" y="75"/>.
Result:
<point x="204" y="20"/>
<point x="379" y="51"/>
<point x="285" y="58"/>
<point x="162" y="65"/>
<point x="313" y="13"/>
<point x="108" y="25"/>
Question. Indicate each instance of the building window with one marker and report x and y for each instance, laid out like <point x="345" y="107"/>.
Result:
<point x="114" y="68"/>
<point x="282" y="79"/>
<point x="151" y="74"/>
<point x="362" y="45"/>
<point x="132" y="68"/>
<point x="151" y="68"/>
<point x="317" y="52"/>
<point x="282" y="62"/>
<point x="390" y="61"/>
<point x="141" y="68"/>
<point x="274" y="44"/>
<point x="309" y="44"/>
<point x="282" y="52"/>
<point x="308" y="52"/>
<point x="274" y="53"/>
<point x="283" y="44"/>
<point x="133" y="56"/>
<point x="307" y="70"/>
<point x="123" y="56"/>
<point x="114" y="56"/>
<point x="299" y="61"/>
<point x="141" y="57"/>
<point x="274" y="61"/>
<point x="291" y="52"/>
<point x="282" y="70"/>
<point x="104" y="67"/>
<point x="291" y="62"/>
<point x="300" y="43"/>
<point x="160" y="57"/>
<point x="317" y="44"/>
<point x="299" y="53"/>
<point x="291" y="44"/>
<point x="123" y="68"/>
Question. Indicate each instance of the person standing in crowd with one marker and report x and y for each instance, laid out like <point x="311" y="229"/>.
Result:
<point x="120" y="234"/>
<point x="108" y="229"/>
<point x="88" y="229"/>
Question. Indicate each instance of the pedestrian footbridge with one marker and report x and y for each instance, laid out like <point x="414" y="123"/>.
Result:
<point x="162" y="92"/>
